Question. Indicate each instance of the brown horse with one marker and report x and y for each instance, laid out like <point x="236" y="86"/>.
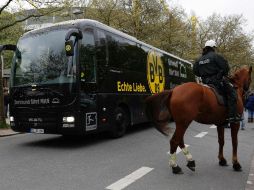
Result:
<point x="196" y="102"/>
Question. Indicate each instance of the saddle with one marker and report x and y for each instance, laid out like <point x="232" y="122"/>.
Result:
<point x="220" y="95"/>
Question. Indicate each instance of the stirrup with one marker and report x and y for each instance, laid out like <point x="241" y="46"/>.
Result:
<point x="234" y="119"/>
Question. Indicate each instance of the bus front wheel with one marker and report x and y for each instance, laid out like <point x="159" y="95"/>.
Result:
<point x="121" y="122"/>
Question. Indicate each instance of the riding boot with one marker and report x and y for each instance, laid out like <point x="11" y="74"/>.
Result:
<point x="233" y="117"/>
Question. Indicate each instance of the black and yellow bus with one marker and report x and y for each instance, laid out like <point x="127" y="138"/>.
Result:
<point x="81" y="76"/>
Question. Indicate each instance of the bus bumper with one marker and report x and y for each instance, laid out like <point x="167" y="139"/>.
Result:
<point x="51" y="123"/>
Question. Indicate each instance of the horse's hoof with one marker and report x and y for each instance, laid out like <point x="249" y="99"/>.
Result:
<point x="191" y="165"/>
<point x="223" y="162"/>
<point x="177" y="170"/>
<point x="237" y="167"/>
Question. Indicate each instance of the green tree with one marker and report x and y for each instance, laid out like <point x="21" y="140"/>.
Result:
<point x="173" y="33"/>
<point x="137" y="18"/>
<point x="9" y="35"/>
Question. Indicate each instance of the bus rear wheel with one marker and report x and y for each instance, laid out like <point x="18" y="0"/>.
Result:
<point x="121" y="122"/>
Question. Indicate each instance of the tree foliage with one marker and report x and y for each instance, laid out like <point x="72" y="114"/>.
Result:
<point x="9" y="35"/>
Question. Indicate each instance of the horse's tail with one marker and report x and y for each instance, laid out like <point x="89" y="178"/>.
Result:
<point x="157" y="109"/>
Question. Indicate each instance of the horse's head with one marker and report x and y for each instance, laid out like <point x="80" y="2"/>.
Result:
<point x="242" y="78"/>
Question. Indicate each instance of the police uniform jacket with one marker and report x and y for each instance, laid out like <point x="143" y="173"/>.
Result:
<point x="211" y="65"/>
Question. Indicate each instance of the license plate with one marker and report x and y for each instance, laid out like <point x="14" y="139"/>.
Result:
<point x="38" y="131"/>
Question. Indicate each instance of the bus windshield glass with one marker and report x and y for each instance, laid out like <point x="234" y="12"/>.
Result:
<point x="40" y="59"/>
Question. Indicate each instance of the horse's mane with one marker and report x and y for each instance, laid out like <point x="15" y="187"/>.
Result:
<point x="234" y="77"/>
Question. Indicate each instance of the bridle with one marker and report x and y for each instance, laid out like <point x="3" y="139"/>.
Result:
<point x="246" y="86"/>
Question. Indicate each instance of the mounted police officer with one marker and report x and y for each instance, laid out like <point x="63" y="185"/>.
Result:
<point x="213" y="69"/>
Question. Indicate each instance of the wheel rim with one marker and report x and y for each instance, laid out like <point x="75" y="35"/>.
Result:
<point x="121" y="123"/>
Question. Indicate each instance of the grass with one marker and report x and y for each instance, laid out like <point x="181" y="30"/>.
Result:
<point x="4" y="126"/>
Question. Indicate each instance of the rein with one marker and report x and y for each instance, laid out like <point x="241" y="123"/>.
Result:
<point x="236" y="82"/>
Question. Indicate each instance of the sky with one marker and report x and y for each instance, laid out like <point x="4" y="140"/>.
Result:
<point x="205" y="8"/>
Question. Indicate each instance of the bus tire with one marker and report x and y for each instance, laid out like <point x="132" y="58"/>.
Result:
<point x="121" y="122"/>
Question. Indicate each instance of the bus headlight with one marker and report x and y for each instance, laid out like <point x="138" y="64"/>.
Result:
<point x="11" y="118"/>
<point x="69" y="119"/>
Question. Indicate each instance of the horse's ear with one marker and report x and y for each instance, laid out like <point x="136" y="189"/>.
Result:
<point x="235" y="77"/>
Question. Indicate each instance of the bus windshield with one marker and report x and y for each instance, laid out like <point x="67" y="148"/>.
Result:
<point x="40" y="59"/>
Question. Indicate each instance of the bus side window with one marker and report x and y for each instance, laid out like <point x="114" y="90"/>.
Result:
<point x="118" y="50"/>
<point x="101" y="55"/>
<point x="87" y="57"/>
<point x="136" y="57"/>
<point x="113" y="51"/>
<point x="101" y="52"/>
<point x="124" y="54"/>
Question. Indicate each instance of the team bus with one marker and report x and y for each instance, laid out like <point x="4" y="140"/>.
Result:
<point x="81" y="76"/>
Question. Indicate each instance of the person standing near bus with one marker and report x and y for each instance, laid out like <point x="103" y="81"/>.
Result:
<point x="213" y="69"/>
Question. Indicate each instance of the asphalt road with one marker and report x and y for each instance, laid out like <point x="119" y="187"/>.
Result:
<point x="138" y="161"/>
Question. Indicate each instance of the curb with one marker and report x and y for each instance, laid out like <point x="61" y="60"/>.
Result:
<point x="7" y="132"/>
<point x="4" y="132"/>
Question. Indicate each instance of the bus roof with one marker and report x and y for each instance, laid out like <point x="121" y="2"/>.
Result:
<point x="79" y="23"/>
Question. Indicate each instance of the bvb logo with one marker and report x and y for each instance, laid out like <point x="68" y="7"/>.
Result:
<point x="67" y="47"/>
<point x="155" y="73"/>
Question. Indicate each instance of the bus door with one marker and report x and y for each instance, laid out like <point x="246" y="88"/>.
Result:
<point x="88" y="74"/>
<point x="88" y="80"/>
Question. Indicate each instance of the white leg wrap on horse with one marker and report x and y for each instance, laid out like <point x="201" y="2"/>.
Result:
<point x="172" y="160"/>
<point x="187" y="154"/>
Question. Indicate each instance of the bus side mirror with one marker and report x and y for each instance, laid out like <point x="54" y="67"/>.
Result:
<point x="69" y="48"/>
<point x="73" y="32"/>
<point x="8" y="47"/>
